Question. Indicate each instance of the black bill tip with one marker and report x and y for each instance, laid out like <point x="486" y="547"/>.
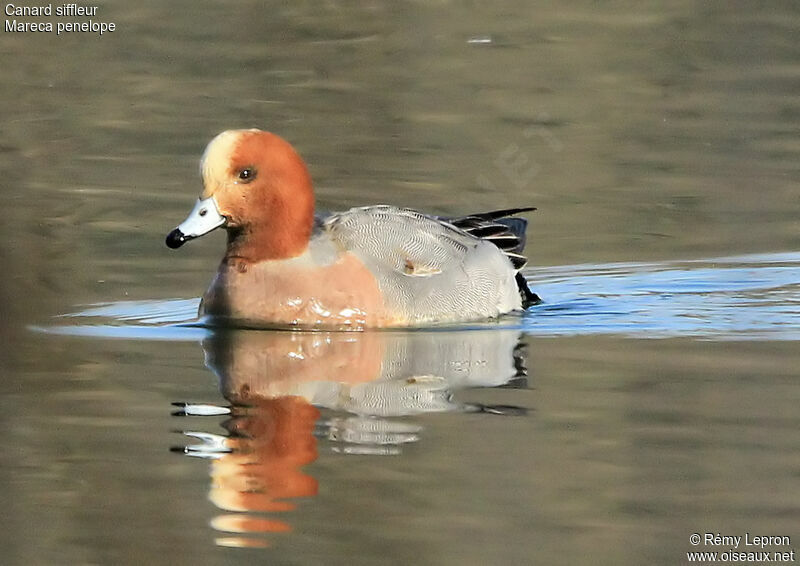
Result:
<point x="175" y="239"/>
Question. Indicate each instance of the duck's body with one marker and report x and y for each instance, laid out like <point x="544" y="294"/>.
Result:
<point x="377" y="266"/>
<point x="373" y="266"/>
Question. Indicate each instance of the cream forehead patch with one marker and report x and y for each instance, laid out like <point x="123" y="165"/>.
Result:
<point x="217" y="158"/>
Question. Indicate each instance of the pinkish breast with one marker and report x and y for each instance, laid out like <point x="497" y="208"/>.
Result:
<point x="298" y="293"/>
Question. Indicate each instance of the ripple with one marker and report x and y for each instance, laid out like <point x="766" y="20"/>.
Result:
<point x="753" y="297"/>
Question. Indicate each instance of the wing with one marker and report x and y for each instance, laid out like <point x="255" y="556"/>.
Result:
<point x="401" y="240"/>
<point x="427" y="268"/>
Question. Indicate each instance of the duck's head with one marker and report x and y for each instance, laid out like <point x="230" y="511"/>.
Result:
<point x="258" y="188"/>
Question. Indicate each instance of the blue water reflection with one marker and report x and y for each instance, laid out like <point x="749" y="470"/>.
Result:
<point x="751" y="297"/>
<point x="745" y="298"/>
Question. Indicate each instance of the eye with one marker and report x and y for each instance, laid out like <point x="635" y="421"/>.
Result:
<point x="247" y="174"/>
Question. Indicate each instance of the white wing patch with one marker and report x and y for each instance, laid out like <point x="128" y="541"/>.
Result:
<point x="419" y="270"/>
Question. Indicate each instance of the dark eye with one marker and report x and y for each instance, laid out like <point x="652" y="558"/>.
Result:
<point x="247" y="174"/>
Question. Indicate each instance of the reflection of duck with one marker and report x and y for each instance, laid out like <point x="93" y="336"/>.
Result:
<point x="367" y="373"/>
<point x="371" y="266"/>
<point x="276" y="380"/>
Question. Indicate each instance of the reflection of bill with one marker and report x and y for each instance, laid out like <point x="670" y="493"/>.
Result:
<point x="276" y="381"/>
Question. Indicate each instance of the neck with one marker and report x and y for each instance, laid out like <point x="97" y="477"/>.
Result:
<point x="267" y="242"/>
<point x="283" y="233"/>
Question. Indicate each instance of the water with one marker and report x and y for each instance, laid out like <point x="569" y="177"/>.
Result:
<point x="653" y="395"/>
<point x="729" y="298"/>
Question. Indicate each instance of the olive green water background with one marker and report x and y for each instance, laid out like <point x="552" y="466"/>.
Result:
<point x="643" y="131"/>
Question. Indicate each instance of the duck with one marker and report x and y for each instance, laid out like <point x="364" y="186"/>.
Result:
<point x="381" y="266"/>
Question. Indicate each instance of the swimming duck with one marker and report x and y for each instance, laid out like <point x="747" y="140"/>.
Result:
<point x="374" y="266"/>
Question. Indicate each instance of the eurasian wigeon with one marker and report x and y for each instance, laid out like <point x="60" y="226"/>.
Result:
<point x="376" y="266"/>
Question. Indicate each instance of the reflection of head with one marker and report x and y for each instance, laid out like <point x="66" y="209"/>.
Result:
<point x="269" y="444"/>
